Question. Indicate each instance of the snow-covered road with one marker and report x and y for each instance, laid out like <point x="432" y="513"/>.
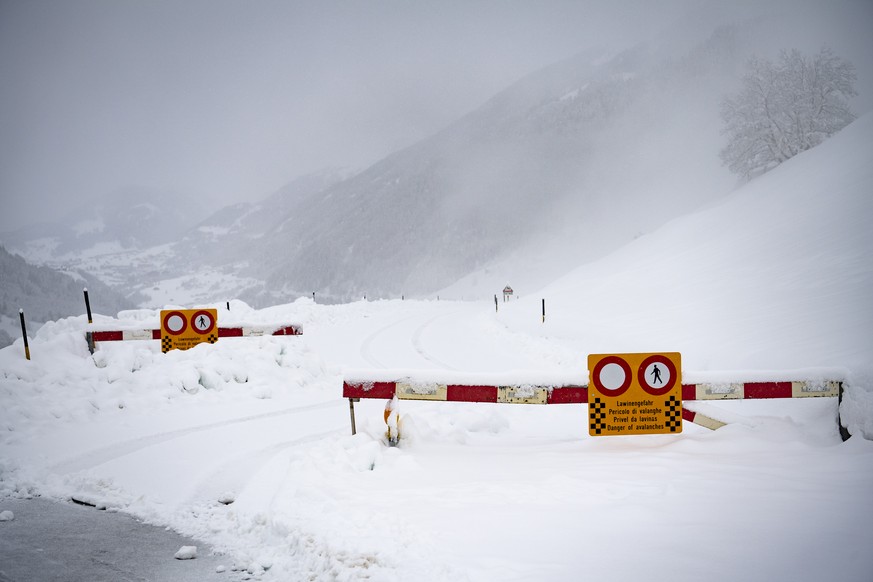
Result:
<point x="435" y="335"/>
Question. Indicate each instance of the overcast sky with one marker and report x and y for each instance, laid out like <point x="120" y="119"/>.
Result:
<point x="229" y="100"/>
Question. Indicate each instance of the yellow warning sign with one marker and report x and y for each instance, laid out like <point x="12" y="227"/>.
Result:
<point x="185" y="328"/>
<point x="634" y="394"/>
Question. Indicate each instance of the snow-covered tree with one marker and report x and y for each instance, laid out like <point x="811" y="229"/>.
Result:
<point x="785" y="108"/>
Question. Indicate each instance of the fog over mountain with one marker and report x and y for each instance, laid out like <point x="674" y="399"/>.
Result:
<point x="563" y="166"/>
<point x="573" y="150"/>
<point x="592" y="151"/>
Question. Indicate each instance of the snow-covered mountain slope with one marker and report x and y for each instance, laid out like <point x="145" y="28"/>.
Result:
<point x="778" y="275"/>
<point x="572" y="149"/>
<point x="213" y="260"/>
<point x="223" y="237"/>
<point x="564" y="166"/>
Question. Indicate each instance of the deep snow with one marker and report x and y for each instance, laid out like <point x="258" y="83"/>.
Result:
<point x="773" y="283"/>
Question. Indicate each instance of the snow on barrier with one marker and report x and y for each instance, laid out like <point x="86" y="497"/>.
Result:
<point x="94" y="337"/>
<point x="566" y="392"/>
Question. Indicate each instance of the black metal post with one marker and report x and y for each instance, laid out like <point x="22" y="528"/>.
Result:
<point x="88" y="305"/>
<point x="544" y="310"/>
<point x="24" y="334"/>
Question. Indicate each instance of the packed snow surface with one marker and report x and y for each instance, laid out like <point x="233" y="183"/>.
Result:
<point x="246" y="444"/>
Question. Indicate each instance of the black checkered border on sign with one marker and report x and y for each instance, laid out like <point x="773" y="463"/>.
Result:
<point x="597" y="415"/>
<point x="674" y="413"/>
<point x="212" y="338"/>
<point x="166" y="344"/>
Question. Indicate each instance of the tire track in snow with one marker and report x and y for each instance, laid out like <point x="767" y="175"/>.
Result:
<point x="366" y="349"/>
<point x="233" y="474"/>
<point x="108" y="453"/>
<point x="416" y="341"/>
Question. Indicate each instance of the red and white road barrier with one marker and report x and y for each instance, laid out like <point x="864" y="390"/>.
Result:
<point x="93" y="337"/>
<point x="354" y="390"/>
<point x="522" y="394"/>
<point x="531" y="394"/>
<point x="757" y="390"/>
<point x="701" y="419"/>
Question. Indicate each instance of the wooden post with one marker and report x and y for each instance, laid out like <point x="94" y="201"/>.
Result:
<point x="88" y="305"/>
<point x="24" y="334"/>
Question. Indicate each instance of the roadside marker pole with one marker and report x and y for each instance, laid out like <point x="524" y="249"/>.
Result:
<point x="544" y="310"/>
<point x="24" y="334"/>
<point x="88" y="305"/>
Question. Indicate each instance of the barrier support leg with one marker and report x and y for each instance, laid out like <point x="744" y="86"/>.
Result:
<point x="89" y="337"/>
<point x="352" y="412"/>
<point x="844" y="432"/>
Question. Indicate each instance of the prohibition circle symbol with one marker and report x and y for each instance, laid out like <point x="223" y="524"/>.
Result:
<point x="203" y="322"/>
<point x="657" y="375"/>
<point x="612" y="376"/>
<point x="175" y="322"/>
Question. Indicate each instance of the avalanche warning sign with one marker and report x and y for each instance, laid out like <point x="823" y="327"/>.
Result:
<point x="634" y="394"/>
<point x="185" y="328"/>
